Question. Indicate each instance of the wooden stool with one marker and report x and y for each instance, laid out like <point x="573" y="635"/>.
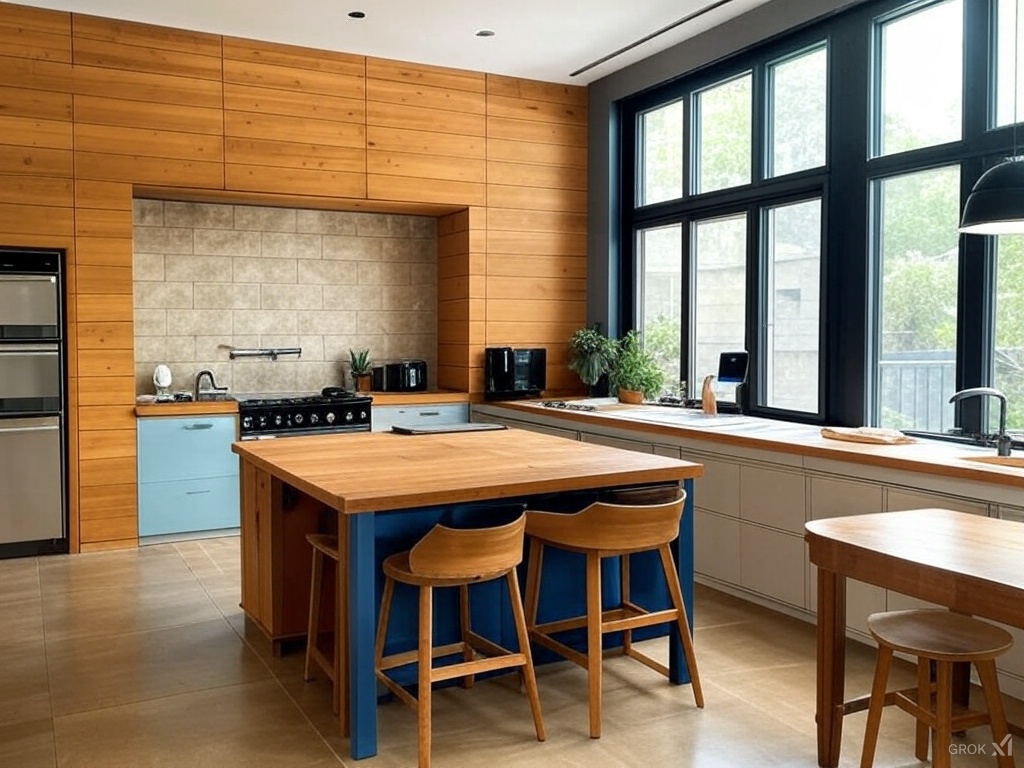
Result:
<point x="607" y="530"/>
<point x="449" y="557"/>
<point x="945" y="638"/>
<point x="323" y="546"/>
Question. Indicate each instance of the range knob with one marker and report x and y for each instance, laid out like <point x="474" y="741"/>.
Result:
<point x="349" y="415"/>
<point x="278" y="420"/>
<point x="298" y="418"/>
<point x="246" y="422"/>
<point x="314" y="418"/>
<point x="263" y="421"/>
<point x="330" y="417"/>
<point x="362" y="416"/>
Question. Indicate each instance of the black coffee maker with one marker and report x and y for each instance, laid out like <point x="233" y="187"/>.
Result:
<point x="511" y="374"/>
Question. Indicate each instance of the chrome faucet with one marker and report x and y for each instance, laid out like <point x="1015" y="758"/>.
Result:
<point x="1003" y="441"/>
<point x="196" y="389"/>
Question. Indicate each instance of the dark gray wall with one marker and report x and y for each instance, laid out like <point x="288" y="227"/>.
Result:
<point x="735" y="35"/>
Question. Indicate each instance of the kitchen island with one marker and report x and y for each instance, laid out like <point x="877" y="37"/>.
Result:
<point x="380" y="492"/>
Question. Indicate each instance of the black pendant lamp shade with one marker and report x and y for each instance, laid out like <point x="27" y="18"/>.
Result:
<point x="996" y="204"/>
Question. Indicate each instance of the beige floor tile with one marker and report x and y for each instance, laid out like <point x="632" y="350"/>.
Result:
<point x="122" y="569"/>
<point x="243" y="726"/>
<point x="28" y="744"/>
<point x="91" y="673"/>
<point x="20" y="580"/>
<point x="24" y="685"/>
<point x="131" y="608"/>
<point x="21" y="620"/>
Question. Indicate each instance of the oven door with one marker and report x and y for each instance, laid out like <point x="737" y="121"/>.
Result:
<point x="29" y="307"/>
<point x="30" y="379"/>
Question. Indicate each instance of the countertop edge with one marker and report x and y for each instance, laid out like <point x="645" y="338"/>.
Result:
<point x="210" y="408"/>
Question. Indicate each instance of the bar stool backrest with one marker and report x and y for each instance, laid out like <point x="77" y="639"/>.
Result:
<point x="457" y="553"/>
<point x="611" y="527"/>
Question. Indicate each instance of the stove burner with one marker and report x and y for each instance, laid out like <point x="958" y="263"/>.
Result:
<point x="568" y="406"/>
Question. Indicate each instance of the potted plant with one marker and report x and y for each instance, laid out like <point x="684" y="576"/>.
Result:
<point x="636" y="374"/>
<point x="359" y="364"/>
<point x="591" y="355"/>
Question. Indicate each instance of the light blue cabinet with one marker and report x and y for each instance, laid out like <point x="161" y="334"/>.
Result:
<point x="387" y="416"/>
<point x="188" y="476"/>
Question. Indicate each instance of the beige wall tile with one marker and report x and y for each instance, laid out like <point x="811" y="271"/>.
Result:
<point x="328" y="272"/>
<point x="148" y="267"/>
<point x="214" y="348"/>
<point x="261" y="321"/>
<point x="249" y="270"/>
<point x="260" y="219"/>
<point x="414" y="345"/>
<point x="424" y="275"/>
<point x="148" y="213"/>
<point x="372" y="225"/>
<point x="347" y="248"/>
<point x="163" y="295"/>
<point x="313" y="376"/>
<point x="277" y="245"/>
<point x="291" y="297"/>
<point x="193" y="322"/>
<point x="370" y="273"/>
<point x="198" y="269"/>
<point x="162" y="240"/>
<point x="408" y="297"/>
<point x="165" y="349"/>
<point x="409" y="250"/>
<point x="395" y="274"/>
<point x="198" y="215"/>
<point x="150" y="322"/>
<point x="219" y="242"/>
<point x="226" y="295"/>
<point x="324" y="322"/>
<point x="355" y="297"/>
<point x="312" y="347"/>
<point x="326" y="222"/>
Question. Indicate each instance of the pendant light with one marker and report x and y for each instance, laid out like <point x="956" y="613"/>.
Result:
<point x="996" y="203"/>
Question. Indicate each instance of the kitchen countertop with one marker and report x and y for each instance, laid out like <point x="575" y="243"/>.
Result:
<point x="928" y="456"/>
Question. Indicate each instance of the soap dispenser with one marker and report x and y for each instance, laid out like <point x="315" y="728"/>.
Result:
<point x="708" y="402"/>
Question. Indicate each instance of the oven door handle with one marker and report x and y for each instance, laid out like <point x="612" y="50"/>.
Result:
<point x="203" y="425"/>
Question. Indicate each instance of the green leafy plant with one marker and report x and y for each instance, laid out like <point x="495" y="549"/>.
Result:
<point x="359" y="361"/>
<point x="635" y="368"/>
<point x="591" y="354"/>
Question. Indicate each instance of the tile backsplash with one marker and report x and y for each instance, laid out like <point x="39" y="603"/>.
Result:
<point x="210" y="277"/>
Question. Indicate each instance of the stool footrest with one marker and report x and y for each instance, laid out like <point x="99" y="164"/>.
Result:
<point x="476" y="666"/>
<point x="647" y="661"/>
<point x="553" y="645"/>
<point x="411" y="657"/>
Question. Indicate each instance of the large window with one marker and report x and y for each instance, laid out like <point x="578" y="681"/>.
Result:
<point x="809" y="209"/>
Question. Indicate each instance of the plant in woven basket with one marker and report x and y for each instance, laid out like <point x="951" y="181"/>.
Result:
<point x="635" y="368"/>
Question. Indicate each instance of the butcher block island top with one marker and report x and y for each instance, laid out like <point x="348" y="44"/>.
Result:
<point x="377" y="471"/>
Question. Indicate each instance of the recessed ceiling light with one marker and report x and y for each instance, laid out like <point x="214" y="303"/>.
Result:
<point x="485" y="33"/>
<point x="357" y="15"/>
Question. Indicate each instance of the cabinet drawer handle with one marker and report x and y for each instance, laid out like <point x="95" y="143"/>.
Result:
<point x="430" y="413"/>
<point x="196" y="493"/>
<point x="203" y="425"/>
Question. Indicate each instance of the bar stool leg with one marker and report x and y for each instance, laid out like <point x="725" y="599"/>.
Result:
<point x="383" y="620"/>
<point x="465" y="623"/>
<point x="882" y="664"/>
<point x="423" y="697"/>
<point x="924" y="700"/>
<point x="994" y="702"/>
<point x="530" y="678"/>
<point x="943" y="714"/>
<point x="533" y="572"/>
<point x="627" y="636"/>
<point x="676" y="592"/>
<point x="594" y="654"/>
<point x="313" y="627"/>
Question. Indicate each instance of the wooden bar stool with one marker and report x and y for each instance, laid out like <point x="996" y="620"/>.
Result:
<point x="449" y="557"/>
<point x="333" y="666"/>
<point x="607" y="530"/>
<point x="944" y="638"/>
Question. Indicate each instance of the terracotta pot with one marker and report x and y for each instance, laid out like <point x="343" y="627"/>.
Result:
<point x="362" y="382"/>
<point x="631" y="396"/>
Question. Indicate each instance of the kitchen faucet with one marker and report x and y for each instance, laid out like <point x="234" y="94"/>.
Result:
<point x="1003" y="442"/>
<point x="198" y="382"/>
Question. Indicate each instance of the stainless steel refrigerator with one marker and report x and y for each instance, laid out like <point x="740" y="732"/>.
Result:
<point x="33" y="498"/>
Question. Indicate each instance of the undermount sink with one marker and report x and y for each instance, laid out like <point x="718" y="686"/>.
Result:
<point x="1001" y="461"/>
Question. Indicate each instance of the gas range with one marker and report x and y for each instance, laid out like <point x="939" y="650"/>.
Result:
<point x="283" y="416"/>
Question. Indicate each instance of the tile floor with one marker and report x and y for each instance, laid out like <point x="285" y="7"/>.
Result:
<point x="142" y="658"/>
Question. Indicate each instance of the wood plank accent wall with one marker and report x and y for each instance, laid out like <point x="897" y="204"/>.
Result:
<point x="93" y="109"/>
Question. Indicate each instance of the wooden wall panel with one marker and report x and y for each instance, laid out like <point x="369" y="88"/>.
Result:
<point x="294" y="120"/>
<point x="536" y="218"/>
<point x="32" y="33"/>
<point x="425" y="130"/>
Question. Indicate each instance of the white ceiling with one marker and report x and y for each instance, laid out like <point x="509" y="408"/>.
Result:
<point x="537" y="39"/>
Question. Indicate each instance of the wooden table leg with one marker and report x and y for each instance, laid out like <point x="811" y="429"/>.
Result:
<point x="362" y="628"/>
<point x="831" y="669"/>
<point x="682" y="549"/>
<point x="341" y="632"/>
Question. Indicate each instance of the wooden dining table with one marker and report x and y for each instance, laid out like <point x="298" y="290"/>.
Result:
<point x="968" y="563"/>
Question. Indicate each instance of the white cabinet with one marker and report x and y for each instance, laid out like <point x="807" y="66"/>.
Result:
<point x="772" y="563"/>
<point x="718" y="489"/>
<point x="716" y="546"/>
<point x="833" y="497"/>
<point x="617" y="442"/>
<point x="387" y="416"/>
<point x="772" y="497"/>
<point x="903" y="498"/>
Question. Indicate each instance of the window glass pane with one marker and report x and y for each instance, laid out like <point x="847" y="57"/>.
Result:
<point x="1009" y="66"/>
<point x="1009" y="332"/>
<point x="723" y="135"/>
<point x="921" y="78"/>
<point x="719" y="302"/>
<point x="919" y="214"/>
<point x="662" y="131"/>
<point x="793" y="283"/>
<point x="798" y="89"/>
<point x="662" y="302"/>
